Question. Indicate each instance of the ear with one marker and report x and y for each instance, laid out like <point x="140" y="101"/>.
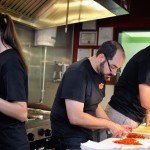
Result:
<point x="101" y="57"/>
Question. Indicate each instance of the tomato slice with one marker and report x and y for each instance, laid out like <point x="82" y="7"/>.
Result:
<point x="135" y="135"/>
<point x="128" y="141"/>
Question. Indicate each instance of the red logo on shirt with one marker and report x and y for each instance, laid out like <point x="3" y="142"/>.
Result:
<point x="101" y="85"/>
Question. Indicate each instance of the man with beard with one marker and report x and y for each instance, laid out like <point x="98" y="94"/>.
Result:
<point x="77" y="109"/>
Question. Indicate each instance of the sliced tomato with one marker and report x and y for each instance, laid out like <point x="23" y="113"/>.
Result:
<point x="135" y="135"/>
<point x="128" y="141"/>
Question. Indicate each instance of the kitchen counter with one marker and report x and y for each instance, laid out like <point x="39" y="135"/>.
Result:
<point x="145" y="144"/>
<point x="109" y="144"/>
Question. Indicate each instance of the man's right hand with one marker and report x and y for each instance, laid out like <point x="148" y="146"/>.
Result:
<point x="118" y="130"/>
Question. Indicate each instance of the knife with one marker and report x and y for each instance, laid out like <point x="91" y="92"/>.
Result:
<point x="109" y="134"/>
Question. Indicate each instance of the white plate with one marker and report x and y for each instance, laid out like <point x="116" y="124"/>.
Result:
<point x="145" y="144"/>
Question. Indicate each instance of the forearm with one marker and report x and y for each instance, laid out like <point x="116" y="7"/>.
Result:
<point x="100" y="113"/>
<point x="89" y="121"/>
<point x="77" y="117"/>
<point x="17" y="110"/>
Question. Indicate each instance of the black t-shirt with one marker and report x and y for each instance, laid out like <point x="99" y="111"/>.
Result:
<point x="80" y="83"/>
<point x="13" y="87"/>
<point x="126" y="94"/>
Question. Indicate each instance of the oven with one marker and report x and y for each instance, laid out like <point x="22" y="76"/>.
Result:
<point x="38" y="129"/>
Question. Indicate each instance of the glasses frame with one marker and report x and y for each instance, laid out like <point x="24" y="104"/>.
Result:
<point x="108" y="63"/>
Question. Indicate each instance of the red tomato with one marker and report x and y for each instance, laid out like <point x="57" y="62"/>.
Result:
<point x="128" y="141"/>
<point x="135" y="135"/>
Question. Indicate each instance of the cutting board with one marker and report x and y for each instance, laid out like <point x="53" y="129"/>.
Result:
<point x="142" y="129"/>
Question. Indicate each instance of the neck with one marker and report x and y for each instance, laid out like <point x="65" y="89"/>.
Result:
<point x="3" y="47"/>
<point x="94" y="63"/>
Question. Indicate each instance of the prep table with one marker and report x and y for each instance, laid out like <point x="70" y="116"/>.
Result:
<point x="106" y="144"/>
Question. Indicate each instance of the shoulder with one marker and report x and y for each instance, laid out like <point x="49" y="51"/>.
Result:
<point x="12" y="60"/>
<point x="79" y="66"/>
<point x="76" y="71"/>
<point x="143" y="54"/>
<point x="142" y="57"/>
<point x="10" y="54"/>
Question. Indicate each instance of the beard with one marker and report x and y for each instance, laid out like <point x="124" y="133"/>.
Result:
<point x="106" y="76"/>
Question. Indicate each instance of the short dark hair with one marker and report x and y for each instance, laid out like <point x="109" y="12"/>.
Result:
<point x="109" y="49"/>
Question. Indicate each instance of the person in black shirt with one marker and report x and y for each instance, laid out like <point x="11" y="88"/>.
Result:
<point x="130" y="103"/>
<point x="76" y="109"/>
<point x="13" y="88"/>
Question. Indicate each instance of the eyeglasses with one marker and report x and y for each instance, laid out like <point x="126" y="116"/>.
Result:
<point x="108" y="63"/>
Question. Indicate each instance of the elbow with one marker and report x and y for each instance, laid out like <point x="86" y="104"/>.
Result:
<point x="23" y="117"/>
<point x="73" y="120"/>
<point x="76" y="119"/>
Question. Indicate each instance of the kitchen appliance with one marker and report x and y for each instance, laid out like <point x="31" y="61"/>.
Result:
<point x="38" y="128"/>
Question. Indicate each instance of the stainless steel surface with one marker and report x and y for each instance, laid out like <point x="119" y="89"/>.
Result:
<point x="38" y="130"/>
<point x="38" y="125"/>
<point x="42" y="14"/>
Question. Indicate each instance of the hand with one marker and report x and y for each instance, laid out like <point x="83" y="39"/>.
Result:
<point x="128" y="128"/>
<point x="120" y="130"/>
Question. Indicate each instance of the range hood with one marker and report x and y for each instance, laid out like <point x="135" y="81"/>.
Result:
<point x="41" y="14"/>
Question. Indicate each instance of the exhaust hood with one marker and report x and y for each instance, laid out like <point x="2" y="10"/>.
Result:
<point x="41" y="14"/>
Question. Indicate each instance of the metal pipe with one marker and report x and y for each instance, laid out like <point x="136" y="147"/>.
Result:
<point x="67" y="13"/>
<point x="43" y="80"/>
